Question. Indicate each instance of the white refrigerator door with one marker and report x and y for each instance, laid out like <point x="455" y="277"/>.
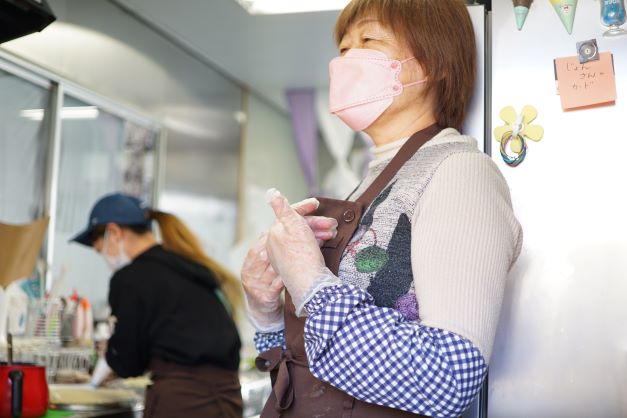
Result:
<point x="561" y="349"/>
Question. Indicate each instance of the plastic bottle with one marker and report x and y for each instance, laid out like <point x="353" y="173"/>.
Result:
<point x="88" y="325"/>
<point x="78" y="326"/>
<point x="67" y="326"/>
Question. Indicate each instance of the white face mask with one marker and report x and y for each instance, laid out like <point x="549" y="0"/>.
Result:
<point x="119" y="261"/>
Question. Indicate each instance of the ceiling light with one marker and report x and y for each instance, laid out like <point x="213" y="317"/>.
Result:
<point x="268" y="7"/>
<point x="77" y="112"/>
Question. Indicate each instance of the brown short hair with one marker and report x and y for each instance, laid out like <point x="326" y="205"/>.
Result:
<point x="441" y="36"/>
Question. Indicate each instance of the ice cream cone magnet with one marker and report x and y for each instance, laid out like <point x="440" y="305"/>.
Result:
<point x="521" y="10"/>
<point x="566" y="9"/>
<point x="514" y="134"/>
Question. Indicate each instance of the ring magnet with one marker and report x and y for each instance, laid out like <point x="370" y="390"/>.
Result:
<point x="519" y="157"/>
<point x="518" y="129"/>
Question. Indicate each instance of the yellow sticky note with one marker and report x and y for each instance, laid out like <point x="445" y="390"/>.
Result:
<point x="584" y="85"/>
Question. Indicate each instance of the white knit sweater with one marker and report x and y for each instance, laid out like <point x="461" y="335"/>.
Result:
<point x="465" y="239"/>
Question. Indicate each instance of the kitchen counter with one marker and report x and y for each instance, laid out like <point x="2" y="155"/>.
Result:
<point x="114" y="413"/>
<point x="102" y="402"/>
<point x="103" y="414"/>
<point x="110" y="414"/>
<point x="255" y="390"/>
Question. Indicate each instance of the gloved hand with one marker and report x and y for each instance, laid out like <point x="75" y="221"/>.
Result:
<point x="323" y="228"/>
<point x="295" y="255"/>
<point x="262" y="285"/>
<point x="262" y="288"/>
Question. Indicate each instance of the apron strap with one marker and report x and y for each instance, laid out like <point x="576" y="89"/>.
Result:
<point x="348" y="213"/>
<point x="407" y="151"/>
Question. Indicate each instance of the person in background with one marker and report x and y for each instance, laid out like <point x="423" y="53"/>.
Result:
<point x="173" y="311"/>
<point x="398" y="317"/>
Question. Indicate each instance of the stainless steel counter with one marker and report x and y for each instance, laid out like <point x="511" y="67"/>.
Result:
<point x="255" y="390"/>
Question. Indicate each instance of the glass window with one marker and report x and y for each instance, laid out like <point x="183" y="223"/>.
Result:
<point x="100" y="154"/>
<point x="23" y="147"/>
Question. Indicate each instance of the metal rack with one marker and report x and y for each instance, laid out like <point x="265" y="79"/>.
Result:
<point x="54" y="357"/>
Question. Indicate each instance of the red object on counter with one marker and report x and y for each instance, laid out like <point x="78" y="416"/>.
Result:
<point x="23" y="391"/>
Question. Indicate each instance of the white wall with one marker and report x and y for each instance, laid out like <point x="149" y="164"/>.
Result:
<point x="266" y="52"/>
<point x="269" y="159"/>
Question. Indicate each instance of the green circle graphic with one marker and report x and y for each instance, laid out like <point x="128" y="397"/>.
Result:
<point x="371" y="259"/>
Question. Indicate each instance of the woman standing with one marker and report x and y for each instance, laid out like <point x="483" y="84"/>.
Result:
<point x="173" y="309"/>
<point x="396" y="314"/>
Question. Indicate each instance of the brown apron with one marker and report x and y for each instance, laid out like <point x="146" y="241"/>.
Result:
<point x="296" y="392"/>
<point x="192" y="392"/>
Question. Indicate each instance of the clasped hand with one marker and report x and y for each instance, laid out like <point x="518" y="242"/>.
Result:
<point x="287" y="256"/>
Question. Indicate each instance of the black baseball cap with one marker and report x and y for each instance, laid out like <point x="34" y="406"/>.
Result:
<point x="115" y="208"/>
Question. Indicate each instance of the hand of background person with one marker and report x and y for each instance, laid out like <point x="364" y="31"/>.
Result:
<point x="294" y="253"/>
<point x="101" y="348"/>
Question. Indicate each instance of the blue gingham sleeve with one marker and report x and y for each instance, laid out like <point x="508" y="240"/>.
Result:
<point x="376" y="355"/>
<point x="264" y="341"/>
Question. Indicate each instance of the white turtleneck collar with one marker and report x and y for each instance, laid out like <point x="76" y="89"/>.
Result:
<point x="387" y="151"/>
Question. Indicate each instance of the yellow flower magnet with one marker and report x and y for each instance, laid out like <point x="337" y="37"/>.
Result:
<point x="514" y="133"/>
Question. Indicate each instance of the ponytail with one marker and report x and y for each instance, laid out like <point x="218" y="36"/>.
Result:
<point x="177" y="237"/>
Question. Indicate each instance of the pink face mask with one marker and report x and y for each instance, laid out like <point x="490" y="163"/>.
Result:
<point x="364" y="83"/>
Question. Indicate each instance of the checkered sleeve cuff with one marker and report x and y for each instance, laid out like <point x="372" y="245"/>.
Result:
<point x="330" y="294"/>
<point x="265" y="341"/>
<point x="374" y="354"/>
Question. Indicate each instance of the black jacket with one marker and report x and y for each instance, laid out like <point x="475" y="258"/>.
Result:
<point x="166" y="307"/>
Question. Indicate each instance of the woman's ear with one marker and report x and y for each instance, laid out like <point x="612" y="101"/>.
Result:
<point x="114" y="230"/>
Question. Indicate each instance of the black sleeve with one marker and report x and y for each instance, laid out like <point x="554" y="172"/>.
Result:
<point x="127" y="351"/>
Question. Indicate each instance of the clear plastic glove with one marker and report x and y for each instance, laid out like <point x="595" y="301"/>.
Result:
<point x="262" y="288"/>
<point x="101" y="372"/>
<point x="295" y="254"/>
<point x="262" y="285"/>
<point x="323" y="228"/>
